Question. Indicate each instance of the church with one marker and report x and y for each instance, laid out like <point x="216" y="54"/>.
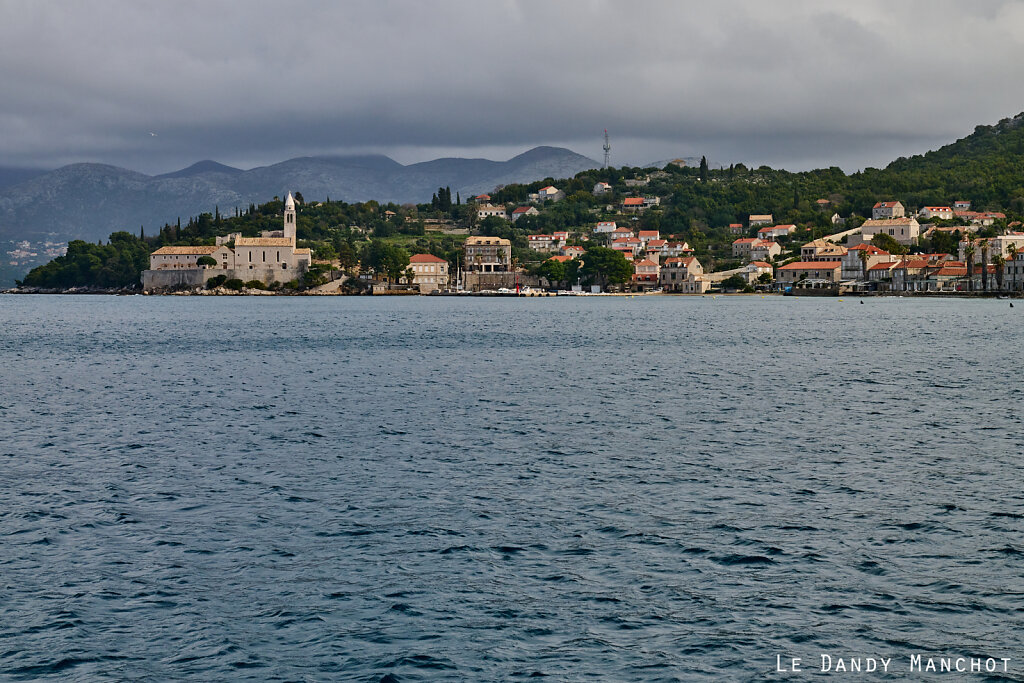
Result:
<point x="271" y="257"/>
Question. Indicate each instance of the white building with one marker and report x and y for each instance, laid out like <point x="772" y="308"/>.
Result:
<point x="602" y="188"/>
<point x="942" y="212"/>
<point x="887" y="210"/>
<point x="488" y="210"/>
<point x="903" y="230"/>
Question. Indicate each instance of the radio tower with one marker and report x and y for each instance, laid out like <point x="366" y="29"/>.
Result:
<point x="607" y="148"/>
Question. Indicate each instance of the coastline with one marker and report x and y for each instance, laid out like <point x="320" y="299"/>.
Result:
<point x="220" y="291"/>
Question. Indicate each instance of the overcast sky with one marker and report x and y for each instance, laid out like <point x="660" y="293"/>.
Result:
<point x="157" y="85"/>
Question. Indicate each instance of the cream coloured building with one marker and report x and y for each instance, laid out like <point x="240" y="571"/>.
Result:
<point x="430" y="272"/>
<point x="272" y="257"/>
<point x="488" y="254"/>
<point x="176" y="258"/>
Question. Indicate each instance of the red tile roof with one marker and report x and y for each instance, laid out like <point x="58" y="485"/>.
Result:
<point x="812" y="265"/>
<point x="426" y="258"/>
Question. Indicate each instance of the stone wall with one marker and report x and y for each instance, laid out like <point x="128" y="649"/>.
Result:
<point x="478" y="281"/>
<point x="197" y="277"/>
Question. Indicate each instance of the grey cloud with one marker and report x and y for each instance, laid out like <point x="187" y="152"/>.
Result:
<point x="791" y="83"/>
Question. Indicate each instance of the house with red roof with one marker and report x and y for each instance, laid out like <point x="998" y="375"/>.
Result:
<point x="854" y="267"/>
<point x="676" y="271"/>
<point x="547" y="194"/>
<point x="542" y="242"/>
<point x="647" y="235"/>
<point x="822" y="271"/>
<point x="941" y="212"/>
<point x="634" y="204"/>
<point x="632" y="244"/>
<point x="601" y="188"/>
<point x="741" y="247"/>
<point x="429" y="272"/>
<point x="764" y="250"/>
<point x="882" y="210"/>
<point x="773" y="232"/>
<point x="676" y="249"/>
<point x="655" y="247"/>
<point x="645" y="274"/>
<point x="619" y="233"/>
<point x="605" y="227"/>
<point x="573" y="251"/>
<point x="736" y="229"/>
<point x="521" y="211"/>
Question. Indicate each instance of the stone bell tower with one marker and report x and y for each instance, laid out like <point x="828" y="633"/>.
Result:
<point x="289" y="218"/>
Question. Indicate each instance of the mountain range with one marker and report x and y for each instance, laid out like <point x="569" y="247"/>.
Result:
<point x="89" y="201"/>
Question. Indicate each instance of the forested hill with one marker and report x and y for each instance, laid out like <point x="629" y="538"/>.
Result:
<point x="986" y="166"/>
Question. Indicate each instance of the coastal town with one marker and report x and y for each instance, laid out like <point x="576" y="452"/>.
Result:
<point x="881" y="254"/>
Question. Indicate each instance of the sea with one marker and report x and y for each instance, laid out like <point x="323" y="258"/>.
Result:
<point x="650" y="488"/>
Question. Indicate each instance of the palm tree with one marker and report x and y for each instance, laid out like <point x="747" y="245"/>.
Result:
<point x="969" y="257"/>
<point x="1012" y="252"/>
<point x="863" y="256"/>
<point x="1000" y="263"/>
<point x="984" y="265"/>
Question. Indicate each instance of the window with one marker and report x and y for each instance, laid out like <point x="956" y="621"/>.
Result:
<point x="264" y="257"/>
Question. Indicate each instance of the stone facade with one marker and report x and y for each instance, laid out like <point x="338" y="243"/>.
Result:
<point x="270" y="258"/>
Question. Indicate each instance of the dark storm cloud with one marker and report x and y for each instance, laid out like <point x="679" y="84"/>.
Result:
<point x="793" y="82"/>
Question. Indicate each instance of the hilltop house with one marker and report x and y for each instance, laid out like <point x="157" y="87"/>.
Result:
<point x="602" y="188"/>
<point x="547" y="194"/>
<point x="759" y="219"/>
<point x="487" y="210"/>
<point x="605" y="226"/>
<point x="634" y="204"/>
<point x="521" y="211"/>
<point x="883" y="210"/>
<point x="773" y="232"/>
<point x="573" y="251"/>
<point x="942" y="212"/>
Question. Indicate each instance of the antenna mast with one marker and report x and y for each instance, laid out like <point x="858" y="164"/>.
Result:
<point x="607" y="148"/>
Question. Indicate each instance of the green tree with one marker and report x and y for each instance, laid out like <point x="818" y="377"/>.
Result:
<point x="734" y="282"/>
<point x="551" y="270"/>
<point x="605" y="266"/>
<point x="206" y="260"/>
<point x="888" y="243"/>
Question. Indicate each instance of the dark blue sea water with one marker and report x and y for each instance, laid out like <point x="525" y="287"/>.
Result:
<point x="622" y="489"/>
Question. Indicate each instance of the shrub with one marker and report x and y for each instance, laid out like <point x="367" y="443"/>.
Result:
<point x="234" y="284"/>
<point x="255" y="284"/>
<point x="216" y="281"/>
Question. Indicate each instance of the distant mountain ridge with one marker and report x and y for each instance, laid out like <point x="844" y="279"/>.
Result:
<point x="89" y="201"/>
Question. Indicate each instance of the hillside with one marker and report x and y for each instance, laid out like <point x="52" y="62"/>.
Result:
<point x="90" y="201"/>
<point x="986" y="167"/>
